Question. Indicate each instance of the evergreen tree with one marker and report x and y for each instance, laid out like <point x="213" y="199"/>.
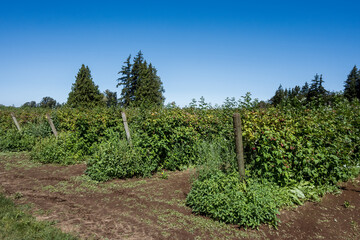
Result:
<point x="141" y="85"/>
<point x="110" y="98"/>
<point x="294" y="96"/>
<point x="305" y="90"/>
<point x="138" y="72"/>
<point x="286" y="93"/>
<point x="316" y="90"/>
<point x="278" y="97"/>
<point x="127" y="92"/>
<point x="84" y="92"/>
<point x="352" y="84"/>
<point x="295" y="92"/>
<point x="358" y="85"/>
<point x="150" y="89"/>
<point x="321" y="90"/>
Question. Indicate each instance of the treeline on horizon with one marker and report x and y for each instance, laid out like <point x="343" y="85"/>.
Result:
<point x="142" y="87"/>
<point x="315" y="92"/>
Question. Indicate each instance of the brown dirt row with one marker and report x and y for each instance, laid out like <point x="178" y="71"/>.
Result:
<point x="154" y="208"/>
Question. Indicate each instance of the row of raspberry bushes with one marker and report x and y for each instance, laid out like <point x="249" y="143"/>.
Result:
<point x="33" y="128"/>
<point x="292" y="155"/>
<point x="284" y="145"/>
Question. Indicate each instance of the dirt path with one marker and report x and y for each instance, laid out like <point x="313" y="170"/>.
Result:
<point x="154" y="208"/>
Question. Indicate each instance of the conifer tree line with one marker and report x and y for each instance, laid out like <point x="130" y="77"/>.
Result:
<point x="141" y="86"/>
<point x="316" y="93"/>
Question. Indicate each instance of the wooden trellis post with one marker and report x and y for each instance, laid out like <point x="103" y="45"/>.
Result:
<point x="52" y="125"/>
<point x="123" y="115"/>
<point x="239" y="145"/>
<point x="15" y="121"/>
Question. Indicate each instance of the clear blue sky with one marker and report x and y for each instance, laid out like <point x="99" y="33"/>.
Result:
<point x="215" y="49"/>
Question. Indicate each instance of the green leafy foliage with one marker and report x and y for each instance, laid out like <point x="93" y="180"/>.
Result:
<point x="217" y="191"/>
<point x="66" y="149"/>
<point x="23" y="115"/>
<point x="89" y="126"/>
<point x="223" y="197"/>
<point x="292" y="152"/>
<point x="170" y="137"/>
<point x="16" y="141"/>
<point x="13" y="140"/>
<point x="162" y="139"/>
<point x="215" y="155"/>
<point x="114" y="158"/>
<point x="285" y="144"/>
<point x="294" y="144"/>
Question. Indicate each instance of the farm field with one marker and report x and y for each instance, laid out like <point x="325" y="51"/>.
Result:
<point x="154" y="208"/>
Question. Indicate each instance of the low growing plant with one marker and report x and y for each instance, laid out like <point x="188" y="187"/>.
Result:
<point x="226" y="199"/>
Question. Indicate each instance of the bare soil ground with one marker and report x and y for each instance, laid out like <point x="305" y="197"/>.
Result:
<point x="154" y="208"/>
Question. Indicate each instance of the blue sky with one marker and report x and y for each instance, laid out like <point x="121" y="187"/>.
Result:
<point x="215" y="49"/>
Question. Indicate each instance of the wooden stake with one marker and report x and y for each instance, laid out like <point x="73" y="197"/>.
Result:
<point x="15" y="121"/>
<point x="123" y="115"/>
<point x="51" y="125"/>
<point x="239" y="145"/>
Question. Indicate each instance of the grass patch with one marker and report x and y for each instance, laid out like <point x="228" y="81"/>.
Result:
<point x="77" y="184"/>
<point x="15" y="224"/>
<point x="13" y="160"/>
<point x="84" y="184"/>
<point x="174" y="220"/>
<point x="133" y="184"/>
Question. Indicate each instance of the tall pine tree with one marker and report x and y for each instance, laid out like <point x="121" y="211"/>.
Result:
<point x="138" y="72"/>
<point x="278" y="97"/>
<point x="304" y="90"/>
<point x="141" y="85"/>
<point x="358" y="85"/>
<point x="84" y="92"/>
<point x="125" y="81"/>
<point x="110" y="98"/>
<point x="150" y="89"/>
<point x="351" y="85"/>
<point x="316" y="91"/>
